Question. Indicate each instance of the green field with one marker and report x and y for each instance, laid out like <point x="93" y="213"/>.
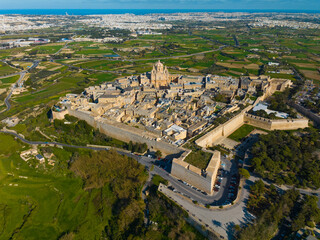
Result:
<point x="51" y="91"/>
<point x="95" y="51"/>
<point x="47" y="49"/>
<point x="12" y="79"/>
<point x="6" y="69"/>
<point x="241" y="132"/>
<point x="35" y="205"/>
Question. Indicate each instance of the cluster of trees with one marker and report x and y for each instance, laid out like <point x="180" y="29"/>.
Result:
<point x="79" y="132"/>
<point x="166" y="47"/>
<point x="261" y="197"/>
<point x="267" y="224"/>
<point x="313" y="106"/>
<point x="35" y="77"/>
<point x="278" y="102"/>
<point x="289" y="211"/>
<point x="114" y="183"/>
<point x="264" y="114"/>
<point x="288" y="157"/>
<point x="137" y="147"/>
<point x="168" y="216"/>
<point x="221" y="98"/>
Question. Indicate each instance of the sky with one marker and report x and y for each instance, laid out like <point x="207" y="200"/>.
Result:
<point x="162" y="4"/>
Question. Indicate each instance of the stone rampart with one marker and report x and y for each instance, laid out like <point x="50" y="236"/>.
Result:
<point x="224" y="130"/>
<point x="193" y="175"/>
<point x="275" y="124"/>
<point x="125" y="133"/>
<point x="58" y="115"/>
<point x="306" y="112"/>
<point x="257" y="121"/>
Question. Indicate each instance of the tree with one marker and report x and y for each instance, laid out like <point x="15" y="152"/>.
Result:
<point x="244" y="173"/>
<point x="158" y="154"/>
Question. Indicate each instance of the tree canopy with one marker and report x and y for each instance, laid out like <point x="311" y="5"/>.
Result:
<point x="288" y="157"/>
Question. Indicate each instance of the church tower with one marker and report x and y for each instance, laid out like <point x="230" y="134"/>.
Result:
<point x="159" y="75"/>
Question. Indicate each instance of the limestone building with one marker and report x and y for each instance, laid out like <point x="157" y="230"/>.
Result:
<point x="160" y="75"/>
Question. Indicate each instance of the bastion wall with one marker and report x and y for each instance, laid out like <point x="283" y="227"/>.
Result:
<point x="193" y="175"/>
<point x="124" y="134"/>
<point x="233" y="124"/>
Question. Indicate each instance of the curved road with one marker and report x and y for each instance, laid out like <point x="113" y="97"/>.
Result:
<point x="215" y="199"/>
<point x="18" y="83"/>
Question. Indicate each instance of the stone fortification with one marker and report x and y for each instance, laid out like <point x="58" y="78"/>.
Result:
<point x="275" y="124"/>
<point x="125" y="133"/>
<point x="59" y="115"/>
<point x="198" y="178"/>
<point x="224" y="130"/>
<point x="306" y="112"/>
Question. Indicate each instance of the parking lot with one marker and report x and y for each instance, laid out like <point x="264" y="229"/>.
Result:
<point x="225" y="188"/>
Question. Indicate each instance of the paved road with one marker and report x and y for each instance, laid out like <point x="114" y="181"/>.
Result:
<point x="193" y="194"/>
<point x="7" y="99"/>
<point x="15" y="85"/>
<point x="236" y="40"/>
<point x="10" y="75"/>
<point x="221" y="221"/>
<point x="65" y="46"/>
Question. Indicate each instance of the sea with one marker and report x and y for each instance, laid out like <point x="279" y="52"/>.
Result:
<point x="135" y="11"/>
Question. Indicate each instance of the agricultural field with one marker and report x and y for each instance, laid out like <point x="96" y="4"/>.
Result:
<point x="33" y="203"/>
<point x="56" y="84"/>
<point x="5" y="69"/>
<point x="46" y="49"/>
<point x="10" y="80"/>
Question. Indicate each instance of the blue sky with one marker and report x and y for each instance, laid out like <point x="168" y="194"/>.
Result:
<point x="162" y="4"/>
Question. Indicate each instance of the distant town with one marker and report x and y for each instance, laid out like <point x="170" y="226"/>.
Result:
<point x="187" y="125"/>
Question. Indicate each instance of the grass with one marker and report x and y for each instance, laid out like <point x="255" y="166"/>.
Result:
<point x="102" y="77"/>
<point x="95" y="51"/>
<point x="48" y="49"/>
<point x="199" y="159"/>
<point x="241" y="132"/>
<point x="42" y="205"/>
<point x="6" y="69"/>
<point x="12" y="79"/>
<point x="156" y="180"/>
<point x="51" y="91"/>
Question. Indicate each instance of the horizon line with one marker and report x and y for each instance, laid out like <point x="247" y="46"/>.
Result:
<point x="210" y="9"/>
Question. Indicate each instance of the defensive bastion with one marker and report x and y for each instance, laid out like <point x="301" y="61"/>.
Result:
<point x="121" y="131"/>
<point x="201" y="179"/>
<point x="224" y="130"/>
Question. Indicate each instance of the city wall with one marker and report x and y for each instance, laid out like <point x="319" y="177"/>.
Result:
<point x="193" y="175"/>
<point x="233" y="124"/>
<point x="306" y="112"/>
<point x="275" y="124"/>
<point x="223" y="130"/>
<point x="125" y="133"/>
<point x="59" y="115"/>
